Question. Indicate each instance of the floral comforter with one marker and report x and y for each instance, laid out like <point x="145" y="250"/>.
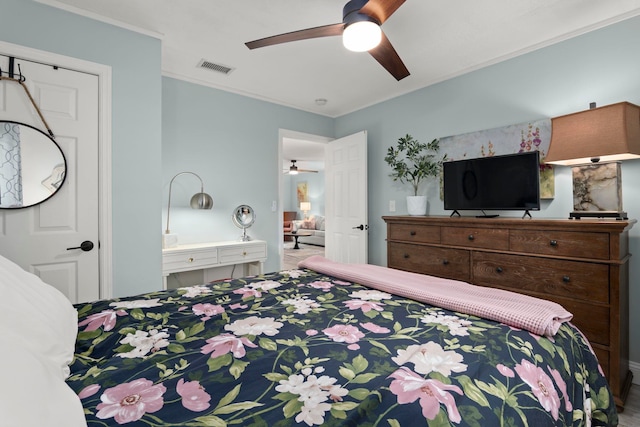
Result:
<point x="301" y="348"/>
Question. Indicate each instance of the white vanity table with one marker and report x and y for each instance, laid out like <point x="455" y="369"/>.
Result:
<point x="201" y="256"/>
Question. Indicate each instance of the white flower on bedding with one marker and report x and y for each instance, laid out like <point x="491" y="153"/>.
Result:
<point x="139" y="303"/>
<point x="456" y="325"/>
<point x="144" y="343"/>
<point x="369" y="295"/>
<point x="254" y="326"/>
<point x="302" y="304"/>
<point x="314" y="392"/>
<point x="195" y="291"/>
<point x="431" y="357"/>
<point x="265" y="285"/>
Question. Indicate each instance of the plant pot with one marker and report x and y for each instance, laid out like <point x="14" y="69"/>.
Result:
<point x="417" y="205"/>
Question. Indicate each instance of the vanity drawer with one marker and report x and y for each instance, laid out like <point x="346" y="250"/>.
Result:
<point x="414" y="233"/>
<point x="488" y="238"/>
<point x="194" y="259"/>
<point x="434" y="261"/>
<point x="242" y="254"/>
<point x="572" y="279"/>
<point x="561" y="243"/>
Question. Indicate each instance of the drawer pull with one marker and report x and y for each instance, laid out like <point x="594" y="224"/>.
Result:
<point x="471" y="237"/>
<point x="553" y="243"/>
<point x="190" y="260"/>
<point x="244" y="253"/>
<point x="445" y="262"/>
<point x="499" y="270"/>
<point x="412" y="232"/>
<point x="566" y="279"/>
<point x="406" y="256"/>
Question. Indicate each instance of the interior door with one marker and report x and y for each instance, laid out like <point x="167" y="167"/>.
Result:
<point x="37" y="238"/>
<point x="346" y="235"/>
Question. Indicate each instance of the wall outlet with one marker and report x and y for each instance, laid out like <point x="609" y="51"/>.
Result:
<point x="274" y="206"/>
<point x="392" y="205"/>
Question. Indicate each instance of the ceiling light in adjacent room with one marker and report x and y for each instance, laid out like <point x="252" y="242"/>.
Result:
<point x="321" y="101"/>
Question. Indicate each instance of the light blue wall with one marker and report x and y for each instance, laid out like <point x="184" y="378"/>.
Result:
<point x="602" y="66"/>
<point x="231" y="141"/>
<point x="136" y="137"/>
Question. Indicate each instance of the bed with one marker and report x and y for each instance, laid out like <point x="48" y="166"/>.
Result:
<point x="325" y="344"/>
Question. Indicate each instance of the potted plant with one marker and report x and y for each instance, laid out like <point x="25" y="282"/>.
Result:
<point x="413" y="161"/>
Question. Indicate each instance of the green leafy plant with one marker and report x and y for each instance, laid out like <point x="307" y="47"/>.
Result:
<point x="412" y="161"/>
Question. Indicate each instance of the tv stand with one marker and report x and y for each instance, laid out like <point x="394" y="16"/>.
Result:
<point x="484" y="215"/>
<point x="455" y="212"/>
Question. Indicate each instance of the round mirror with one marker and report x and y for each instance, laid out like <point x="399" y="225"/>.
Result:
<point x="32" y="166"/>
<point x="243" y="217"/>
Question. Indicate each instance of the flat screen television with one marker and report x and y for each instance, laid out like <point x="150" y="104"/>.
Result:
<point x="507" y="182"/>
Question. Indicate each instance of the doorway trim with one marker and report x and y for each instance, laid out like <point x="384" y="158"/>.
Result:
<point x="282" y="134"/>
<point x="103" y="72"/>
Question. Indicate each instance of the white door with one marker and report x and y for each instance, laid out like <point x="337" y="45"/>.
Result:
<point x="346" y="236"/>
<point x="37" y="238"/>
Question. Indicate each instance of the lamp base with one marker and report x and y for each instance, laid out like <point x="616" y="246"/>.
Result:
<point x="169" y="241"/>
<point x="598" y="214"/>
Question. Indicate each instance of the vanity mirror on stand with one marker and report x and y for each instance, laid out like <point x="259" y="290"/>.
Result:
<point x="243" y="217"/>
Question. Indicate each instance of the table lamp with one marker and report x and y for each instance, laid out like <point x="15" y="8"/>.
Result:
<point x="594" y="142"/>
<point x="199" y="200"/>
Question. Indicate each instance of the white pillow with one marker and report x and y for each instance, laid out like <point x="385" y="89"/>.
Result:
<point x="38" y="326"/>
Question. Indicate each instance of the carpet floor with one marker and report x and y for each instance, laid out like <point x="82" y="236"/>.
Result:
<point x="293" y="256"/>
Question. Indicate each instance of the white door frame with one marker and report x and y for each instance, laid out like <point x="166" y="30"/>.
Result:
<point x="285" y="133"/>
<point x="104" y="141"/>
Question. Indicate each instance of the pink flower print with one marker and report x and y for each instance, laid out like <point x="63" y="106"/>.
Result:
<point x="248" y="292"/>
<point x="238" y="306"/>
<point x="208" y="310"/>
<point x="194" y="398"/>
<point x="344" y="333"/>
<point x="128" y="402"/>
<point x="375" y="328"/>
<point x="409" y="387"/>
<point x="311" y="332"/>
<point x="341" y="282"/>
<point x="227" y="343"/>
<point x="106" y="318"/>
<point x="541" y="385"/>
<point x="319" y="284"/>
<point x="365" y="306"/>
<point x="353" y="346"/>
<point x="562" y="385"/>
<point x="88" y="391"/>
<point x="506" y="371"/>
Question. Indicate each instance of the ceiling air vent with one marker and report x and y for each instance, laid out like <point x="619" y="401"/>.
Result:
<point x="215" y="67"/>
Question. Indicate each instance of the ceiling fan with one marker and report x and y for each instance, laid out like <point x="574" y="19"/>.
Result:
<point x="294" y="170"/>
<point x="357" y="15"/>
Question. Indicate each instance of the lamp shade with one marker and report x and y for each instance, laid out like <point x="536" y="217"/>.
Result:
<point x="305" y="206"/>
<point x="609" y="133"/>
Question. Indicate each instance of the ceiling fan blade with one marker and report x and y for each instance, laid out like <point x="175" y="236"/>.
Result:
<point x="387" y="56"/>
<point x="381" y="10"/>
<point x="309" y="33"/>
<point x="307" y="170"/>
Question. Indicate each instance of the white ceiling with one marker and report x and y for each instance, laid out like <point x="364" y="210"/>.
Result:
<point x="436" y="39"/>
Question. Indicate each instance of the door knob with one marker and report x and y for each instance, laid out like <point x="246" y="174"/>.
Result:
<point x="361" y="227"/>
<point x="85" y="246"/>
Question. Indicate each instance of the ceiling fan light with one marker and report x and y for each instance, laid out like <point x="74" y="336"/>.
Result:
<point x="361" y="36"/>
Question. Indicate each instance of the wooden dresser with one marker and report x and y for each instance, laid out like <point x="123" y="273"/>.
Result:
<point x="580" y="264"/>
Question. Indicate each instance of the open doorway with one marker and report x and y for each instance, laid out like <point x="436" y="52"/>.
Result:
<point x="302" y="196"/>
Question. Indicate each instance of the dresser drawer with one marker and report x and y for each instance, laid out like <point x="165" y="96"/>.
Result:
<point x="414" y="233"/>
<point x="572" y="279"/>
<point x="195" y="260"/>
<point x="488" y="238"/>
<point x="242" y="254"/>
<point x="442" y="262"/>
<point x="561" y="243"/>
